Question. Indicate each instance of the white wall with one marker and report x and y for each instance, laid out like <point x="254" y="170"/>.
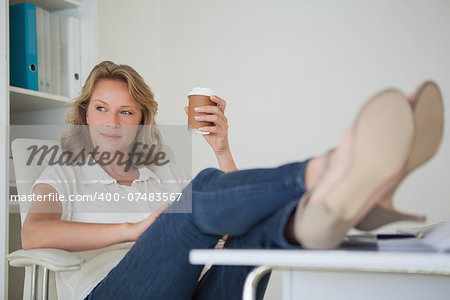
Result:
<point x="294" y="73"/>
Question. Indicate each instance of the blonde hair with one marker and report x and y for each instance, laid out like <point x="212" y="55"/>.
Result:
<point x="77" y="137"/>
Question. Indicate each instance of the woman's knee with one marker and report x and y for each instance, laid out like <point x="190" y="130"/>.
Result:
<point x="201" y="181"/>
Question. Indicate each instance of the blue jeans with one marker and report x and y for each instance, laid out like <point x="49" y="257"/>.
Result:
<point x="251" y="206"/>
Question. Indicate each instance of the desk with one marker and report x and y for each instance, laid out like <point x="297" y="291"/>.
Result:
<point x="341" y="274"/>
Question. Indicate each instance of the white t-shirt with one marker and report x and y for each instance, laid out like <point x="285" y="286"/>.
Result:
<point x="91" y="180"/>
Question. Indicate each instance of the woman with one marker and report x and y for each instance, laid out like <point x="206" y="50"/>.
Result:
<point x="257" y="208"/>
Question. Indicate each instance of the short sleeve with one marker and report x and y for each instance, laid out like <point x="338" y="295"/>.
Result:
<point x="58" y="178"/>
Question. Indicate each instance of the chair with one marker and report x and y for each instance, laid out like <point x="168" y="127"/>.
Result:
<point x="37" y="281"/>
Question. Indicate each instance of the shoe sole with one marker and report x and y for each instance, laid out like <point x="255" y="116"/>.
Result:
<point x="429" y="120"/>
<point x="382" y="141"/>
<point x="428" y="111"/>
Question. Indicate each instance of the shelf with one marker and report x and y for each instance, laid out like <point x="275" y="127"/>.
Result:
<point x="29" y="100"/>
<point x="51" y="5"/>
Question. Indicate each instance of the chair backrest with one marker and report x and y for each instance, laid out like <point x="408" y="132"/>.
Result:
<point x="27" y="174"/>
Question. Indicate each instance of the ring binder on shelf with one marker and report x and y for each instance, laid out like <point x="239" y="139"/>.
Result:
<point x="50" y="41"/>
<point x="23" y="47"/>
<point x="70" y="56"/>
<point x="55" y="59"/>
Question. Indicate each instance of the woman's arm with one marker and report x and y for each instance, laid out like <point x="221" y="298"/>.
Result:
<point x="226" y="162"/>
<point x="46" y="229"/>
<point x="218" y="137"/>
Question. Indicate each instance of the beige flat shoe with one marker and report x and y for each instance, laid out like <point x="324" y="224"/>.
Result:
<point x="428" y="111"/>
<point x="369" y="162"/>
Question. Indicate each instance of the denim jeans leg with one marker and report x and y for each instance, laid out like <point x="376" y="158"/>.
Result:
<point x="227" y="282"/>
<point x="232" y="203"/>
<point x="157" y="266"/>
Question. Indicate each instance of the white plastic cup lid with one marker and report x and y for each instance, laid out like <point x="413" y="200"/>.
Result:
<point x="201" y="91"/>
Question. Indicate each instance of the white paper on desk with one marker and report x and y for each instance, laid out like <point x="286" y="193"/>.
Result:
<point x="439" y="237"/>
<point x="370" y="242"/>
<point x="436" y="239"/>
<point x="406" y="245"/>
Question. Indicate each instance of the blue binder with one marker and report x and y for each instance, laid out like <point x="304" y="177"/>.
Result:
<point x="23" y="47"/>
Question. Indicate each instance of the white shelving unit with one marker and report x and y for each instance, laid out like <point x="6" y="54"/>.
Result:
<point x="4" y="149"/>
<point x="29" y="100"/>
<point x="23" y="100"/>
<point x="51" y="5"/>
<point x="20" y="104"/>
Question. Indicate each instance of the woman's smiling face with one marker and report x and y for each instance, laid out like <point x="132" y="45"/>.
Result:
<point x="113" y="117"/>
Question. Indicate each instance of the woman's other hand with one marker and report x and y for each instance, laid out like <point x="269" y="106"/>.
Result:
<point x="138" y="228"/>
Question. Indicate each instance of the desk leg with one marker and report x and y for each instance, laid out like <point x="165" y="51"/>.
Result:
<point x="252" y="281"/>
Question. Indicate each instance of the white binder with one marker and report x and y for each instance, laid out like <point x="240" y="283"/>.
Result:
<point x="43" y="48"/>
<point x="55" y="59"/>
<point x="70" y="56"/>
<point x="47" y="63"/>
<point x="40" y="41"/>
<point x="64" y="60"/>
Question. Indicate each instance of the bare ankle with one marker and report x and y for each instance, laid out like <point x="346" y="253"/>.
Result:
<point x="312" y="172"/>
<point x="289" y="234"/>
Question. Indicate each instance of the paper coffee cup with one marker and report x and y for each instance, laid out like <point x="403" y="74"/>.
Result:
<point x="199" y="97"/>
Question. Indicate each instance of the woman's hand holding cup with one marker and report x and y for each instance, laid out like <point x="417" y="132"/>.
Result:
<point x="207" y="116"/>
